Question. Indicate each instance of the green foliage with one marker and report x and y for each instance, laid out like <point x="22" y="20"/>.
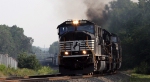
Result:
<point x="17" y="72"/>
<point x="13" y="41"/>
<point x="54" y="48"/>
<point x="143" y="68"/>
<point x="7" y="71"/>
<point x="46" y="70"/>
<point x="36" y="49"/>
<point x="2" y="67"/>
<point x="10" y="72"/>
<point x="139" y="78"/>
<point x="28" y="61"/>
<point x="131" y="22"/>
<point x="25" y="72"/>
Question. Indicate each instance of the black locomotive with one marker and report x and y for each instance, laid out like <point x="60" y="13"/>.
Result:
<point x="86" y="48"/>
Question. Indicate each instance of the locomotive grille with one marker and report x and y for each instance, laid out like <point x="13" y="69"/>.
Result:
<point x="76" y="45"/>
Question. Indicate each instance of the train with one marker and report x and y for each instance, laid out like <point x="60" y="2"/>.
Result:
<point x="86" y="48"/>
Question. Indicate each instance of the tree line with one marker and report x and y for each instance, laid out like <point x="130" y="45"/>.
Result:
<point x="131" y="22"/>
<point x="54" y="48"/>
<point x="13" y="41"/>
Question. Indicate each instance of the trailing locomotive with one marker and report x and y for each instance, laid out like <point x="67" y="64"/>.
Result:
<point x="86" y="48"/>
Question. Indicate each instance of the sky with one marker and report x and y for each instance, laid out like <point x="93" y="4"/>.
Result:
<point x="40" y="18"/>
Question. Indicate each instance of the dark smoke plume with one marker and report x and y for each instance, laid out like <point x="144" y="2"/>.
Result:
<point x="95" y="11"/>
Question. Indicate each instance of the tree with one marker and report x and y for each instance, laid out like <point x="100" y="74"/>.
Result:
<point x="13" y="41"/>
<point x="36" y="49"/>
<point x="7" y="45"/>
<point x="54" y="48"/>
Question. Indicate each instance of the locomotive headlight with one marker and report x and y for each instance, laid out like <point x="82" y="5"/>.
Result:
<point x="76" y="22"/>
<point x="66" y="53"/>
<point x="84" y="52"/>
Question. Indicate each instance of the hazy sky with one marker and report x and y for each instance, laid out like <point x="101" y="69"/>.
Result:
<point x="40" y="18"/>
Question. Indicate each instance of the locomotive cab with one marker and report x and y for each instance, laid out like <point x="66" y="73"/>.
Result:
<point x="76" y="40"/>
<point x="70" y="26"/>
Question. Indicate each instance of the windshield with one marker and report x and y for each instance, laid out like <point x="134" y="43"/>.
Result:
<point x="114" y="39"/>
<point x="66" y="29"/>
<point x="88" y="28"/>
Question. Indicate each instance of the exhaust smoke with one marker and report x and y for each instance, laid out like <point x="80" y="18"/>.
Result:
<point x="95" y="11"/>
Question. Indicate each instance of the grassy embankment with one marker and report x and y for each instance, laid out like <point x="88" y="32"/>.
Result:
<point x="7" y="72"/>
<point x="134" y="77"/>
<point x="139" y="78"/>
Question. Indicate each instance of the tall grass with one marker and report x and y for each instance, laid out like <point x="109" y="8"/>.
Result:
<point x="139" y="78"/>
<point x="7" y="71"/>
<point x="46" y="70"/>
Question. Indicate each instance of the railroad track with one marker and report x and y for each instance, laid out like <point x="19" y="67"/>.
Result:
<point x="42" y="78"/>
<point x="50" y="78"/>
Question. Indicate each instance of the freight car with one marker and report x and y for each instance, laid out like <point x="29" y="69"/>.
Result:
<point x="86" y="48"/>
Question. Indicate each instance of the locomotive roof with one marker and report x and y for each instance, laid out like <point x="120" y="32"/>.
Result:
<point x="64" y="23"/>
<point x="113" y="34"/>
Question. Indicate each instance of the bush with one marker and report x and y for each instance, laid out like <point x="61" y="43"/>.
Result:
<point x="28" y="61"/>
<point x="143" y="68"/>
<point x="2" y="67"/>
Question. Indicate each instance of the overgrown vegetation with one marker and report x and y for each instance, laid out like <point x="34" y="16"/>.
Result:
<point x="139" y="78"/>
<point x="47" y="70"/>
<point x="135" y="77"/>
<point x="6" y="72"/>
<point x="143" y="68"/>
